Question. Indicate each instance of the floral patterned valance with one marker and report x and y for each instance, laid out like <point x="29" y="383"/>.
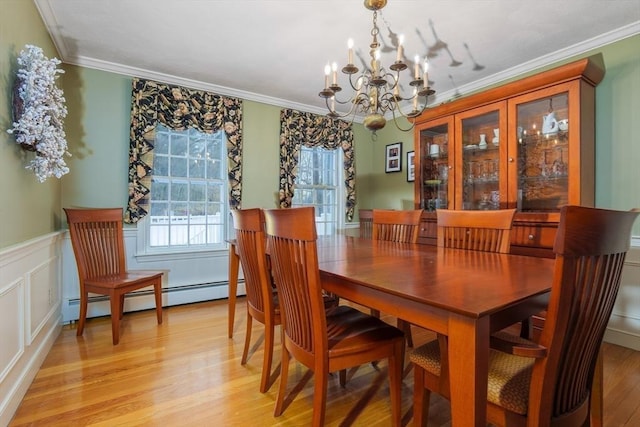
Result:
<point x="178" y="108"/>
<point x="312" y="130"/>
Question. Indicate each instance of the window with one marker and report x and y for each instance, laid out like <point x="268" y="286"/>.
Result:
<point x="188" y="192"/>
<point x="318" y="184"/>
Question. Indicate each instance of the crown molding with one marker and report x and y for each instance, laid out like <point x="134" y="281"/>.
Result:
<point x="190" y="83"/>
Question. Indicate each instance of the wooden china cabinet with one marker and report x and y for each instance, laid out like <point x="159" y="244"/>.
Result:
<point x="528" y="145"/>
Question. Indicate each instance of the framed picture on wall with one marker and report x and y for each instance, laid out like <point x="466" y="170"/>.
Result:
<point x="393" y="158"/>
<point x="411" y="166"/>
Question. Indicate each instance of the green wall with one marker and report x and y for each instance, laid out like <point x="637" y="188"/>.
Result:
<point x="98" y="124"/>
<point x="97" y="127"/>
<point x="28" y="209"/>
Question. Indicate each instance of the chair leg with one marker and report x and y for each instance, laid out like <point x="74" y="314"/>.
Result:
<point x="157" y="290"/>
<point x="116" y="309"/>
<point x="268" y="357"/>
<point x="421" y="397"/>
<point x="526" y="329"/>
<point x="247" y="339"/>
<point x="343" y="377"/>
<point x="406" y="328"/>
<point x="121" y="313"/>
<point x="83" y="313"/>
<point x="396" y="366"/>
<point x="282" y="388"/>
<point x="320" y="396"/>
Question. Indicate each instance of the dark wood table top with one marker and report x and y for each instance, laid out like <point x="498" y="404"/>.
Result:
<point x="470" y="283"/>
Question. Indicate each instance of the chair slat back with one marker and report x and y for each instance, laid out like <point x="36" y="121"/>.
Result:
<point x="366" y="223"/>
<point x="251" y="246"/>
<point x="488" y="231"/>
<point x="98" y="241"/>
<point x="291" y="238"/>
<point x="396" y="226"/>
<point x="591" y="245"/>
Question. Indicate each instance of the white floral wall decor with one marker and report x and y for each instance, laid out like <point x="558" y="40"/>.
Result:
<point x="39" y="112"/>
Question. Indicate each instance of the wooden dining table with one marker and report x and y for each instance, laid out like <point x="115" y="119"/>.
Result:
<point x="465" y="295"/>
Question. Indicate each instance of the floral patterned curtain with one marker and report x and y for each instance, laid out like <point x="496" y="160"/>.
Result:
<point x="311" y="130"/>
<point x="178" y="108"/>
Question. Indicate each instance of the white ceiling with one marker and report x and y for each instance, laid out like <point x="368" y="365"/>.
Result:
<point x="274" y="51"/>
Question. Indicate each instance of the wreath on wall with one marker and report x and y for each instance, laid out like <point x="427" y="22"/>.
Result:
<point x="39" y="112"/>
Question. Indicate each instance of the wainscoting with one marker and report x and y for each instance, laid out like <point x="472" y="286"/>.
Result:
<point x="30" y="314"/>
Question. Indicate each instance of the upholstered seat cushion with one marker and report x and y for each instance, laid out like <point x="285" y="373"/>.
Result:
<point x="509" y="375"/>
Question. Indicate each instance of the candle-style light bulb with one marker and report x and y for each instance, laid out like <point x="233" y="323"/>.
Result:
<point x="415" y="99"/>
<point x="350" y="46"/>
<point x="400" y="47"/>
<point x="327" y="72"/>
<point x="426" y="73"/>
<point x="416" y="67"/>
<point x="334" y="69"/>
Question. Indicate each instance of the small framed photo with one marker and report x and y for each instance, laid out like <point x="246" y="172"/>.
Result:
<point x="393" y="158"/>
<point x="411" y="166"/>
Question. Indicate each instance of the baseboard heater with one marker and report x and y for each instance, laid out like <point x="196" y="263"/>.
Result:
<point x="165" y="291"/>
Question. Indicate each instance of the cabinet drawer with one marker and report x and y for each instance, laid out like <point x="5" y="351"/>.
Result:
<point x="533" y="235"/>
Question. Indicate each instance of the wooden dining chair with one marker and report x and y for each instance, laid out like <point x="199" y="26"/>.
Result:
<point x="400" y="226"/>
<point x="488" y="231"/>
<point x="98" y="245"/>
<point x="549" y="383"/>
<point x="323" y="341"/>
<point x="262" y="302"/>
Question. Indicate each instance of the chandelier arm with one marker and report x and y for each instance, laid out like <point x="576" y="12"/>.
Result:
<point x="395" y="122"/>
<point x="352" y="109"/>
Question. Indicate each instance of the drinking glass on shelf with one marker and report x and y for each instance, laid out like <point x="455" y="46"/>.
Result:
<point x="489" y="170"/>
<point x="471" y="172"/>
<point x="443" y="171"/>
<point x="545" y="167"/>
<point x="559" y="167"/>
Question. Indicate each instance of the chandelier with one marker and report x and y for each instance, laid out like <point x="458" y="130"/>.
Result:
<point x="376" y="91"/>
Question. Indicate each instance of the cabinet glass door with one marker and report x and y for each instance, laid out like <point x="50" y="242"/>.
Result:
<point x="543" y="153"/>
<point x="434" y="164"/>
<point x="481" y="160"/>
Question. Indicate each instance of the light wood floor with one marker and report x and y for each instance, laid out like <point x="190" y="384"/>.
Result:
<point x="187" y="372"/>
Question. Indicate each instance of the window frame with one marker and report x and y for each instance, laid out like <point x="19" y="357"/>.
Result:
<point x="340" y="220"/>
<point x="143" y="244"/>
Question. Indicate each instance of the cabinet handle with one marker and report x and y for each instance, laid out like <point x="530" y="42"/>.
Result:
<point x="511" y="159"/>
<point x="531" y="236"/>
